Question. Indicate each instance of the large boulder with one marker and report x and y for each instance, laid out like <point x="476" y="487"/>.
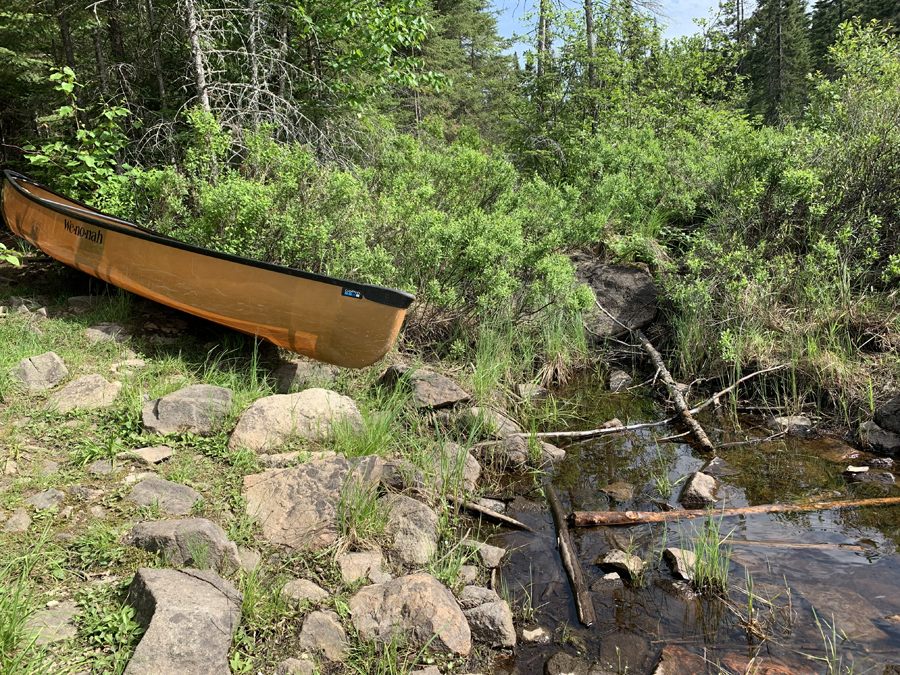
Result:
<point x="417" y="604"/>
<point x="197" y="409"/>
<point x="628" y="293"/>
<point x="191" y="617"/>
<point x="89" y="392"/>
<point x="311" y="414"/>
<point x="298" y="506"/>
<point x="195" y="542"/>
<point x="429" y="389"/>
<point x="413" y="527"/>
<point x="41" y="372"/>
<point x="888" y="416"/>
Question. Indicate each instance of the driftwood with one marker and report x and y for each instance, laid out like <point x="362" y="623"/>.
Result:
<point x="583" y="601"/>
<point x="789" y="544"/>
<point x="588" y="518"/>
<point x="490" y="513"/>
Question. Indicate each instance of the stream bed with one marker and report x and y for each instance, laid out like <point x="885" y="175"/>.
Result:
<point x="825" y="585"/>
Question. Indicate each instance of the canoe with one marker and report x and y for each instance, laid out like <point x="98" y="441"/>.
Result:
<point x="341" y="322"/>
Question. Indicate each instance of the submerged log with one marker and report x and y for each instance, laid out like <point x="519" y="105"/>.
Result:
<point x="583" y="601"/>
<point x="588" y="518"/>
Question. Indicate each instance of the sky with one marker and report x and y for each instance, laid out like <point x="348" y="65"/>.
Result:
<point x="678" y="20"/>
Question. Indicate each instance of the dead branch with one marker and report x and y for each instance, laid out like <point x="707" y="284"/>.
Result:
<point x="477" y="508"/>
<point x="570" y="560"/>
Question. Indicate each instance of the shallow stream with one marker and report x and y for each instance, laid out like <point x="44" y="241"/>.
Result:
<point x="844" y="565"/>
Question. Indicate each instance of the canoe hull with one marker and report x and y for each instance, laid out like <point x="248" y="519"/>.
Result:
<point x="324" y="318"/>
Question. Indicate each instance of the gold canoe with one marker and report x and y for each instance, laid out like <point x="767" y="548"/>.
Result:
<point x="340" y="322"/>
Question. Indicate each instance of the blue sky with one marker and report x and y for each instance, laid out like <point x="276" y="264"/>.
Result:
<point x="679" y="19"/>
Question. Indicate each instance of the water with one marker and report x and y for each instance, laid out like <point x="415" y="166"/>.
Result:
<point x="851" y="582"/>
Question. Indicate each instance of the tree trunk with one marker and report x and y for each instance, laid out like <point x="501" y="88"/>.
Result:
<point x="69" y="52"/>
<point x="101" y="63"/>
<point x="157" y="62"/>
<point x="283" y="42"/>
<point x="197" y="54"/>
<point x="543" y="36"/>
<point x="118" y="47"/>
<point x="592" y="56"/>
<point x="254" y="66"/>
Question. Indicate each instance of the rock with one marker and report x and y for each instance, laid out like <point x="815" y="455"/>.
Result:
<point x="322" y="632"/>
<point x="516" y="451"/>
<point x="100" y="467"/>
<point x="195" y="542"/>
<point x="888" y="415"/>
<point x="551" y="454"/>
<point x="400" y="475"/>
<point x="413" y="527"/>
<point x="468" y="574"/>
<point x="429" y="670"/>
<point x="529" y="391"/>
<point x="492" y="504"/>
<point x="80" y="303"/>
<point x="297" y="375"/>
<point x="19" y="521"/>
<point x="299" y="591"/>
<point x="473" y="596"/>
<point x="53" y="625"/>
<point x="881" y="462"/>
<point x="355" y="566"/>
<point x="536" y="636"/>
<point x="429" y="390"/>
<point x="881" y="477"/>
<point x="622" y="563"/>
<point x="457" y="465"/>
<point x="191" y="617"/>
<point x="739" y="663"/>
<point x="490" y="555"/>
<point x="492" y="624"/>
<point x="608" y="582"/>
<point x="197" y="409"/>
<point x="49" y="467"/>
<point x="311" y="414"/>
<point x="619" y="380"/>
<point x="564" y="664"/>
<point x="676" y="660"/>
<point x="173" y="498"/>
<point x="832" y="450"/>
<point x="681" y="563"/>
<point x="625" y="652"/>
<point x="89" y="392"/>
<point x="106" y="332"/>
<point x="487" y="422"/>
<point x="718" y="467"/>
<point x="97" y="512"/>
<point x="680" y="590"/>
<point x="699" y="490"/>
<point x="10" y="467"/>
<point x="138" y="477"/>
<point x="295" y="667"/>
<point x="628" y="293"/>
<point x="250" y="559"/>
<point x="621" y="492"/>
<point x="41" y="372"/>
<point x="417" y="604"/>
<point x="794" y="424"/>
<point x="46" y="499"/>
<point x="879" y="439"/>
<point x="127" y="366"/>
<point x="297" y="506"/>
<point x="153" y="455"/>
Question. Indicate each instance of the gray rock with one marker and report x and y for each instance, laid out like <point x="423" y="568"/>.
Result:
<point x="680" y="590"/>
<point x="487" y="422"/>
<point x="89" y="392"/>
<point x="97" y="512"/>
<point x="628" y="293"/>
<point x="681" y="563"/>
<point x="537" y="635"/>
<point x="516" y="451"/>
<point x="551" y="454"/>
<point x="564" y="664"/>
<point x="154" y="455"/>
<point x="19" y="521"/>
<point x="473" y="596"/>
<point x="46" y="499"/>
<point x="879" y="439"/>
<point x="297" y="506"/>
<point x="295" y="667"/>
<point x="400" y="475"/>
<point x="529" y="391"/>
<point x="619" y="380"/>
<point x="298" y="375"/>
<point x="413" y="527"/>
<point x="621" y="492"/>
<point x="100" y="467"/>
<point x="49" y="467"/>
<point x="429" y="670"/>
<point x="80" y="303"/>
<point x="622" y="563"/>
<point x="84" y="493"/>
<point x="454" y="464"/>
<point x="41" y="372"/>
<point x="882" y="477"/>
<point x="322" y="632"/>
<point x="492" y="624"/>
<point x="191" y="617"/>
<point x="429" y="390"/>
<point x="418" y="605"/>
<point x="197" y="409"/>
<point x="794" y="424"/>
<point x="888" y="415"/>
<point x="106" y="332"/>
<point x="718" y="467"/>
<point x="311" y="414"/>
<point x="195" y="542"/>
<point x="608" y="582"/>
<point x="53" y="625"/>
<point x="355" y="566"/>
<point x="299" y="591"/>
<point x="128" y="366"/>
<point x="468" y="574"/>
<point x="173" y="498"/>
<point x="699" y="490"/>
<point x="490" y="555"/>
<point x="492" y="504"/>
<point x="250" y="559"/>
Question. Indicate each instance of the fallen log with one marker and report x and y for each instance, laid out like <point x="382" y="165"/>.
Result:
<point x="583" y="601"/>
<point x="477" y="508"/>
<point x="588" y="518"/>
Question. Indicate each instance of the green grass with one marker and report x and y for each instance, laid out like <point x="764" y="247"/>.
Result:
<point x="712" y="556"/>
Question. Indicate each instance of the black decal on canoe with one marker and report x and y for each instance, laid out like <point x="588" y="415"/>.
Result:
<point x="80" y="230"/>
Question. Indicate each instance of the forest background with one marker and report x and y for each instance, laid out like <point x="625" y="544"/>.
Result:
<point x="753" y="168"/>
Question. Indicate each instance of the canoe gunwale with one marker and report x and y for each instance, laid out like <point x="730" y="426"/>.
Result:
<point x="378" y="294"/>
